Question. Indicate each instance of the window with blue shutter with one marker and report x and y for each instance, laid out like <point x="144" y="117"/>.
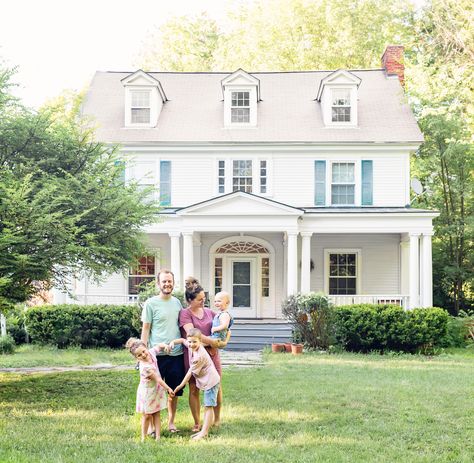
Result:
<point x="367" y="183"/>
<point x="165" y="183"/>
<point x="320" y="183"/>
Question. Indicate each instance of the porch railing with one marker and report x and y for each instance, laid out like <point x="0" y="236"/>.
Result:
<point x="400" y="300"/>
<point x="112" y="299"/>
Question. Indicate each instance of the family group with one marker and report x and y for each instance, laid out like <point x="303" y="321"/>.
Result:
<point x="180" y="346"/>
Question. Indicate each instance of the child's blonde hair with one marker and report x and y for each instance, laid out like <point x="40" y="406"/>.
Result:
<point x="133" y="344"/>
<point x="194" y="332"/>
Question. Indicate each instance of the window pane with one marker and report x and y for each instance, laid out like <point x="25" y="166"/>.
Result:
<point x="240" y="115"/>
<point x="140" y="116"/>
<point x="140" y="99"/>
<point x="241" y="272"/>
<point x="241" y="296"/>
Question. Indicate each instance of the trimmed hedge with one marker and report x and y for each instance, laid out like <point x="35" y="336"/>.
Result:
<point x="368" y="327"/>
<point x="83" y="325"/>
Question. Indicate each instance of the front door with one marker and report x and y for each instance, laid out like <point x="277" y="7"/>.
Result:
<point x="242" y="286"/>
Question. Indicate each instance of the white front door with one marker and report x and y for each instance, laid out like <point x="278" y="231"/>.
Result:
<point x="242" y="284"/>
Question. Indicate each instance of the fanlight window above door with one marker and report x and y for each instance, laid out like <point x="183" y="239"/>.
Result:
<point x="242" y="247"/>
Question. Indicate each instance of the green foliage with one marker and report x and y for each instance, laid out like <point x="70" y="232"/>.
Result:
<point x="457" y="333"/>
<point x="311" y="318"/>
<point x="81" y="325"/>
<point x="7" y="345"/>
<point x="63" y="203"/>
<point x="286" y="35"/>
<point x="367" y="327"/>
<point x="15" y="319"/>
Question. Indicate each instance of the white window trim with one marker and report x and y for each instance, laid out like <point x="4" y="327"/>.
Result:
<point x="228" y="172"/>
<point x="155" y="106"/>
<point x="357" y="182"/>
<point x="358" y="253"/>
<point x="252" y="89"/>
<point x="327" y="106"/>
<point x="158" y="264"/>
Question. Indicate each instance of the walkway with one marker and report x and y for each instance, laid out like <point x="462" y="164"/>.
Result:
<point x="229" y="359"/>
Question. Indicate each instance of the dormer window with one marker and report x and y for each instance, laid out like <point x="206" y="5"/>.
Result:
<point x="241" y="92"/>
<point x="140" y="106"/>
<point x="341" y="105"/>
<point x="240" y="107"/>
<point x="337" y="94"/>
<point x="144" y="99"/>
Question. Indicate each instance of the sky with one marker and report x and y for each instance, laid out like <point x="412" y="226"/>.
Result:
<point x="59" y="44"/>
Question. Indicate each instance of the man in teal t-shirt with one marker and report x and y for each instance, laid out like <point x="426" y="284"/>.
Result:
<point x="160" y="324"/>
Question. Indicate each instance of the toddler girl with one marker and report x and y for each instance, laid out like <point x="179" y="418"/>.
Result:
<point x="151" y="397"/>
<point x="223" y="319"/>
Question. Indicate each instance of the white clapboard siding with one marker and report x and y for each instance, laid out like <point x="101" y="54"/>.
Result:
<point x="115" y="284"/>
<point x="380" y="260"/>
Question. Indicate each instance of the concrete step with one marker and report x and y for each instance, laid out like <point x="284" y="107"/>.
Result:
<point x="248" y="335"/>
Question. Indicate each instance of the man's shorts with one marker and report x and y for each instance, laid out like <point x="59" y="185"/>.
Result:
<point x="210" y="396"/>
<point x="172" y="370"/>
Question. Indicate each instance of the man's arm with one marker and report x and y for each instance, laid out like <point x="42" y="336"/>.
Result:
<point x="145" y="332"/>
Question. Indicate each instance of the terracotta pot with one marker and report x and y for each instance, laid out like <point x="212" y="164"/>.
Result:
<point x="287" y="346"/>
<point x="278" y="347"/>
<point x="296" y="349"/>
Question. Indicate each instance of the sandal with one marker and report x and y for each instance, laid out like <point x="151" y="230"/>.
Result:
<point x="173" y="429"/>
<point x="196" y="428"/>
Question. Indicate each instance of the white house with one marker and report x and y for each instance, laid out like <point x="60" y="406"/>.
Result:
<point x="272" y="183"/>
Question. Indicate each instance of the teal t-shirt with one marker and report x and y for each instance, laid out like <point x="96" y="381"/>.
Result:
<point x="163" y="316"/>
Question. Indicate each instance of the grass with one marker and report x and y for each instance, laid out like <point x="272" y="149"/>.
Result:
<point x="313" y="408"/>
<point x="29" y="355"/>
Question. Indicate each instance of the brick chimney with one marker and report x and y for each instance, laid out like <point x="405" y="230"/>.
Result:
<point x="392" y="62"/>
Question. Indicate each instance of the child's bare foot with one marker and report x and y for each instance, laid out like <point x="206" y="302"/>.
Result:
<point x="198" y="436"/>
<point x="158" y="437"/>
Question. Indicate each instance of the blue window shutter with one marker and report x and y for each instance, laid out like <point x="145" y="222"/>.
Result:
<point x="367" y="183"/>
<point x="320" y="183"/>
<point x="165" y="183"/>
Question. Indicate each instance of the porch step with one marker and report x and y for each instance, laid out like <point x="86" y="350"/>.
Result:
<point x="250" y="335"/>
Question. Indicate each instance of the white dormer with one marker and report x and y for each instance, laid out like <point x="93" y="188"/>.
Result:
<point x="241" y="94"/>
<point x="144" y="99"/>
<point x="337" y="94"/>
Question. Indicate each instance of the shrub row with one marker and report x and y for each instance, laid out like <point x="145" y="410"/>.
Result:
<point x="82" y="325"/>
<point x="365" y="327"/>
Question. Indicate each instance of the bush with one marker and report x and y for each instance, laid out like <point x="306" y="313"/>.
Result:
<point x="457" y="334"/>
<point x="311" y="317"/>
<point x="16" y="324"/>
<point x="81" y="325"/>
<point x="368" y="327"/>
<point x="7" y="345"/>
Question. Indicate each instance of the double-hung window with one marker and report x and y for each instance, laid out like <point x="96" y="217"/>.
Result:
<point x="343" y="183"/>
<point x="240" y="107"/>
<point x="221" y="177"/>
<point x="343" y="272"/>
<point x="140" y="106"/>
<point x="341" y="105"/>
<point x="242" y="176"/>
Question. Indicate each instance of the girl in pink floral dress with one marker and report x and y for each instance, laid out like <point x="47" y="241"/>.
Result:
<point x="151" y="395"/>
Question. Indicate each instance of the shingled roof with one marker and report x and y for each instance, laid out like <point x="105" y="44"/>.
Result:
<point x="288" y="110"/>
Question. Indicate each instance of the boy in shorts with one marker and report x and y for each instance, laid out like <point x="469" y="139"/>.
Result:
<point x="206" y="376"/>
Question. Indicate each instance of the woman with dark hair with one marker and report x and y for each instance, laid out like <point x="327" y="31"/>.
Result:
<point x="198" y="316"/>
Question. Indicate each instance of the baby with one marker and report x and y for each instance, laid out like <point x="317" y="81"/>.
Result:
<point x="222" y="320"/>
<point x="205" y="374"/>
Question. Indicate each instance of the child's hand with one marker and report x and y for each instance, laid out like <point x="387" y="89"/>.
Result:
<point x="170" y="347"/>
<point x="177" y="388"/>
<point x="170" y="392"/>
<point x="213" y="329"/>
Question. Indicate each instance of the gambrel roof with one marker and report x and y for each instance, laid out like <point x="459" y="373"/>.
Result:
<point x="288" y="110"/>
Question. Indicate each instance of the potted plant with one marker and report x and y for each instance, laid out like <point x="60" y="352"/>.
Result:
<point x="278" y="347"/>
<point x="296" y="348"/>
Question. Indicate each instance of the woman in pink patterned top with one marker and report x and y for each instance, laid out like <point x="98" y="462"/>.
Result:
<point x="200" y="317"/>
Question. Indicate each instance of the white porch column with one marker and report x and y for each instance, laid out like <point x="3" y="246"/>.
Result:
<point x="292" y="263"/>
<point x="414" y="270"/>
<point x="175" y="259"/>
<point x="426" y="271"/>
<point x="305" y="261"/>
<point x="188" y="255"/>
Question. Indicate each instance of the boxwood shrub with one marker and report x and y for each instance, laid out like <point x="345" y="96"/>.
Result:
<point x="83" y="325"/>
<point x="369" y="327"/>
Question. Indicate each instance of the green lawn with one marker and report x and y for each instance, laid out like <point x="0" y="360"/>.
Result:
<point x="41" y="356"/>
<point x="314" y="408"/>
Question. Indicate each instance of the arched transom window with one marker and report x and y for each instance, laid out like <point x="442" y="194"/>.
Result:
<point x="242" y="247"/>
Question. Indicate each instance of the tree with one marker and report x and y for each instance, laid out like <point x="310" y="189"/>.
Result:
<point x="282" y="35"/>
<point x="64" y="208"/>
<point x="440" y="85"/>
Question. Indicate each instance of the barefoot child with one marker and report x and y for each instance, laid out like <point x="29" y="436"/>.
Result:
<point x="151" y="396"/>
<point x="223" y="320"/>
<point x="206" y="376"/>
